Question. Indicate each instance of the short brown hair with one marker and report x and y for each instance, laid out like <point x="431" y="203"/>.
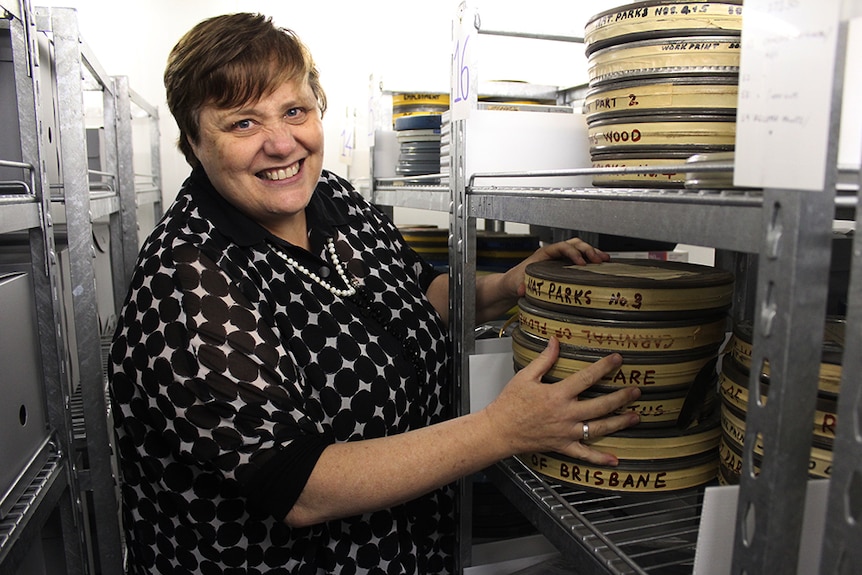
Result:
<point x="228" y="60"/>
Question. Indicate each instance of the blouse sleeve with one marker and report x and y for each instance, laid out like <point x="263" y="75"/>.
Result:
<point x="194" y="362"/>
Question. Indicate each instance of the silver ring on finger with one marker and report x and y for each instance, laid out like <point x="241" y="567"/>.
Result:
<point x="586" y="431"/>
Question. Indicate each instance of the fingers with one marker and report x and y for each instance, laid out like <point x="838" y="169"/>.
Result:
<point x="604" y="424"/>
<point x="594" y="412"/>
<point x="599" y="428"/>
<point x="593" y="429"/>
<point x="544" y="361"/>
<point x="581" y="252"/>
<point x="584" y="378"/>
<point x="576" y="250"/>
<point x="596" y="423"/>
<point x="595" y="407"/>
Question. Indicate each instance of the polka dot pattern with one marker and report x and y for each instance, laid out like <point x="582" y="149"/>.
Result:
<point x="223" y="356"/>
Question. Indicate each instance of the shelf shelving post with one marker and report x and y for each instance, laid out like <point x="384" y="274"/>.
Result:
<point x="843" y="528"/>
<point x="97" y="480"/>
<point x="148" y="184"/>
<point x="462" y="318"/>
<point x="789" y="319"/>
<point x="124" y="232"/>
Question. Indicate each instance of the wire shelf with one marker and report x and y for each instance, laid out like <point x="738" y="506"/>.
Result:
<point x="622" y="533"/>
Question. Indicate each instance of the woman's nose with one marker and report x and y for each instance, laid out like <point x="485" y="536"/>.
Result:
<point x="280" y="140"/>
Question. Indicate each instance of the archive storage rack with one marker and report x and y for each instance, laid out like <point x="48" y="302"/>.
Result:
<point x="41" y="491"/>
<point x="776" y="240"/>
<point x="92" y="146"/>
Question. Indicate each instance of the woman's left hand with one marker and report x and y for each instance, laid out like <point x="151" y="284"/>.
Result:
<point x="497" y="293"/>
<point x="574" y="249"/>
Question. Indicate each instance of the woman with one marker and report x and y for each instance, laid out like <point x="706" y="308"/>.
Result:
<point x="280" y="369"/>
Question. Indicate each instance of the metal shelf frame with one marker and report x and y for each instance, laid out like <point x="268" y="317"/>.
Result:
<point x="843" y="529"/>
<point x="147" y="185"/>
<point x="424" y="198"/>
<point x="787" y="234"/>
<point x="51" y="481"/>
<point x="59" y="198"/>
<point x="76" y="69"/>
<point x="725" y="220"/>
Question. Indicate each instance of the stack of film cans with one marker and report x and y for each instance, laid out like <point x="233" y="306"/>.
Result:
<point x="416" y="119"/>
<point x="501" y="251"/>
<point x="495" y="251"/>
<point x="668" y="320"/>
<point x="663" y="83"/>
<point x="429" y="241"/>
<point x="734" y="389"/>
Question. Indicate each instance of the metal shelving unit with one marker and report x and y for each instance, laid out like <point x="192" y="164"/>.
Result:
<point x="612" y="534"/>
<point x="70" y="208"/>
<point x="787" y="233"/>
<point x="48" y="484"/>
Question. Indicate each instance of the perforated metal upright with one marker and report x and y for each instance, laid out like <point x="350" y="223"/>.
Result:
<point x="789" y="320"/>
<point x="87" y="195"/>
<point x="139" y="139"/>
<point x="462" y="317"/>
<point x="841" y="553"/>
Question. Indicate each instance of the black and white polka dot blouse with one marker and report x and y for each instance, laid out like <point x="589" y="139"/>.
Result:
<point x="230" y="373"/>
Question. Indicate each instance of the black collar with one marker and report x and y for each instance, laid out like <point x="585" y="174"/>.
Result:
<point x="323" y="214"/>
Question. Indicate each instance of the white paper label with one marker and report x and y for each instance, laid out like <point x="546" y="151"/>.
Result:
<point x="785" y="93"/>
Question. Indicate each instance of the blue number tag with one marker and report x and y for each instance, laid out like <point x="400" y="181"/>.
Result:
<point x="464" y="79"/>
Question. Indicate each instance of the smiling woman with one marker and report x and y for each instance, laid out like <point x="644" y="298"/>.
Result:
<point x="265" y="158"/>
<point x="279" y="335"/>
<point x="249" y="107"/>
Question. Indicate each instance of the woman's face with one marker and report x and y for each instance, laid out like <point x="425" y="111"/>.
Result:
<point x="265" y="156"/>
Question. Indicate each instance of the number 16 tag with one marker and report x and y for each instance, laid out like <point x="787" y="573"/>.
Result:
<point x="464" y="79"/>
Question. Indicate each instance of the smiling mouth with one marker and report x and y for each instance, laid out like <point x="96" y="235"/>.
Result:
<point x="280" y="173"/>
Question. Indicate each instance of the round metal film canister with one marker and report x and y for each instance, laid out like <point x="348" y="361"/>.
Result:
<point x="630" y="476"/>
<point x="629" y="288"/>
<point x="614" y="335"/>
<point x="733" y="388"/>
<point x="829" y="381"/>
<point x="665" y="57"/>
<point x="617" y="162"/>
<point x="662" y="133"/>
<point x="651" y="372"/>
<point x="658" y="18"/>
<point x="675" y="95"/>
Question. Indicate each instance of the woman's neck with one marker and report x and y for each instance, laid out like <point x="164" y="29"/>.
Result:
<point x="293" y="230"/>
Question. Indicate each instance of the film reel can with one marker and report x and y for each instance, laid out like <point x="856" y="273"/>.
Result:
<point x="629" y="288"/>
<point x="659" y="18"/>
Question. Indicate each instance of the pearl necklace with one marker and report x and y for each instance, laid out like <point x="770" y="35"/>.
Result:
<point x="330" y="247"/>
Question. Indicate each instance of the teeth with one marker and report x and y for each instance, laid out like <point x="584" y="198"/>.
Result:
<point x="281" y="173"/>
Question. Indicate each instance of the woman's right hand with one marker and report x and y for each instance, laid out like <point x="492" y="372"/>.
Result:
<point x="534" y="416"/>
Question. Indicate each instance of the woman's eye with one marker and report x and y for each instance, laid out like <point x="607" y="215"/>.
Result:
<point x="295" y="114"/>
<point x="242" y="125"/>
